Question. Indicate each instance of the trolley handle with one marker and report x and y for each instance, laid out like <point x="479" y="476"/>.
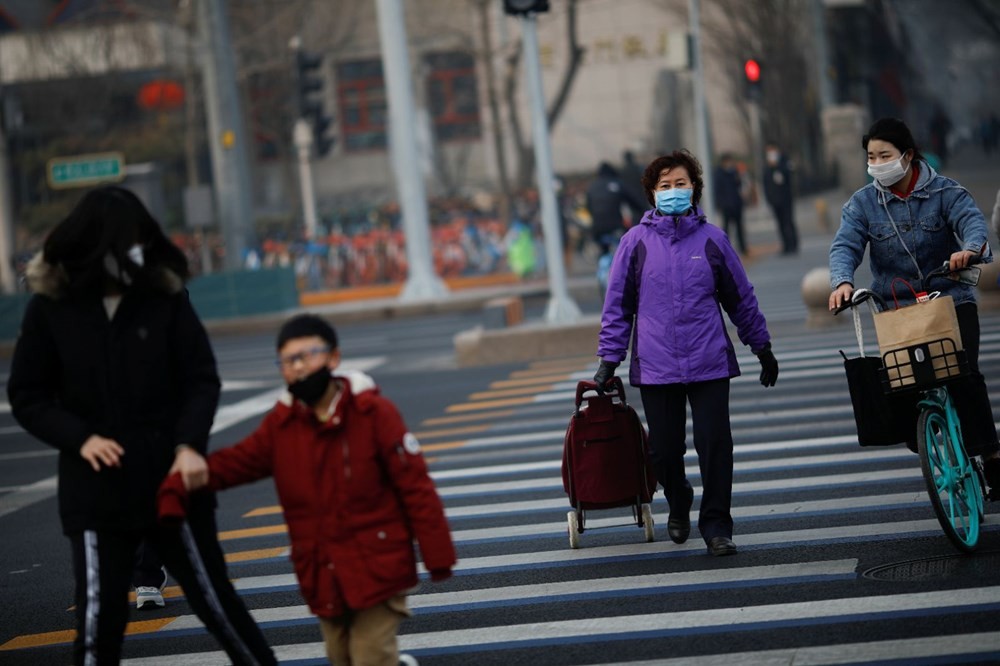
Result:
<point x="613" y="388"/>
<point x="968" y="275"/>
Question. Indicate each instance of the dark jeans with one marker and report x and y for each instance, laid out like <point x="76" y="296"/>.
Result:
<point x="734" y="218"/>
<point x="785" y="217"/>
<point x="103" y="562"/>
<point x="972" y="398"/>
<point x="666" y="415"/>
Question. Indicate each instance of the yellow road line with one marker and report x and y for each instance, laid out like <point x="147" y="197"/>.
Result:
<point x="67" y="635"/>
<point x="504" y="393"/>
<point x="486" y="404"/>
<point x="259" y="554"/>
<point x="444" y="446"/>
<point x="445" y="420"/>
<point x="449" y="432"/>
<point x="263" y="511"/>
<point x="534" y="381"/>
<point x="253" y="532"/>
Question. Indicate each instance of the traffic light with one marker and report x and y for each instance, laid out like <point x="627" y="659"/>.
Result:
<point x="309" y="86"/>
<point x="522" y="7"/>
<point x="751" y="70"/>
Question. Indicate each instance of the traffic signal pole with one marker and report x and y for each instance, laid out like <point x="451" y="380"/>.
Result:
<point x="422" y="282"/>
<point x="302" y="137"/>
<point x="227" y="135"/>
<point x="700" y="113"/>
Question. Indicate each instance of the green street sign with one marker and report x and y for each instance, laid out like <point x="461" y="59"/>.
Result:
<point x="85" y="170"/>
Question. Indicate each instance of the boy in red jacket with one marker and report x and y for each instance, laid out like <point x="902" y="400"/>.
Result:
<point x="354" y="490"/>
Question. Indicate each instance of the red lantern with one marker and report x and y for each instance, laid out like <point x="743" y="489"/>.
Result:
<point x="161" y="95"/>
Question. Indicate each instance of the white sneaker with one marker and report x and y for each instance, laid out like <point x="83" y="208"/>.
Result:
<point x="148" y="597"/>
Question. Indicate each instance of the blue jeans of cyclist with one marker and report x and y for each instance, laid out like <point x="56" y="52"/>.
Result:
<point x="666" y="414"/>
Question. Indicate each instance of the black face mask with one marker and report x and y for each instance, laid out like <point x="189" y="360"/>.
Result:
<point x="310" y="389"/>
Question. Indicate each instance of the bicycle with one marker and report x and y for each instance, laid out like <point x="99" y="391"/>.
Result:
<point x="955" y="481"/>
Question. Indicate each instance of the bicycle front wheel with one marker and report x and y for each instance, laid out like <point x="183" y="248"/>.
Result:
<point x="950" y="479"/>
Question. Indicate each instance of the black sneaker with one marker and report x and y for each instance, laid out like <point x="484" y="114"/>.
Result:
<point x="991" y="470"/>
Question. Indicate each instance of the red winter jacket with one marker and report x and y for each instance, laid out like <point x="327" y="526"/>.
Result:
<point x="355" y="494"/>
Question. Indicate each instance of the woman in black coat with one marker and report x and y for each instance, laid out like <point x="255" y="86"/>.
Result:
<point x="113" y="368"/>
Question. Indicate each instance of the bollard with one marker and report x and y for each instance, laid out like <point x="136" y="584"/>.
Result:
<point x="816" y="296"/>
<point x="988" y="292"/>
<point x="822" y="218"/>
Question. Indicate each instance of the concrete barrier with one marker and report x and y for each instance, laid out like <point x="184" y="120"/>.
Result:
<point x="503" y="312"/>
<point x="527" y="342"/>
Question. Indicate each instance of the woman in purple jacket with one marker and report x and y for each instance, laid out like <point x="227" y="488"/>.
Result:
<point x="670" y="275"/>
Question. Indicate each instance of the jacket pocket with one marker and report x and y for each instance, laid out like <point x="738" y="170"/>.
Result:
<point x="388" y="552"/>
<point x="883" y="239"/>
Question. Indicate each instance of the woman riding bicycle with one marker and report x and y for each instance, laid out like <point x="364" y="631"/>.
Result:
<point x="914" y="220"/>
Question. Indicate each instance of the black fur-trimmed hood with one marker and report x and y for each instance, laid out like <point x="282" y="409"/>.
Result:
<point x="52" y="281"/>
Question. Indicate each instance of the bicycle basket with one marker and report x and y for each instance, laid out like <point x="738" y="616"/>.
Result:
<point x="923" y="365"/>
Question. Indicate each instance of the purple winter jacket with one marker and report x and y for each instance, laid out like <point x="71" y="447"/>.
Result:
<point x="669" y="276"/>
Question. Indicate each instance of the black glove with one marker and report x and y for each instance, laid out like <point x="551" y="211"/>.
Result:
<point x="768" y="366"/>
<point x="604" y="374"/>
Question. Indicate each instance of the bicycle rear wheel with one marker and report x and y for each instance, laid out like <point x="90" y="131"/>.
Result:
<point x="950" y="478"/>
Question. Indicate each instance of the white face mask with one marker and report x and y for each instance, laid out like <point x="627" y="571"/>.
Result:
<point x="135" y="254"/>
<point x="888" y="173"/>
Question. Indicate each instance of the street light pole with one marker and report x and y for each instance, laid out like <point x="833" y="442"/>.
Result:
<point x="422" y="281"/>
<point x="561" y="307"/>
<point x="302" y="136"/>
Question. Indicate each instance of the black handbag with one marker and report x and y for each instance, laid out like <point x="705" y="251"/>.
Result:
<point x="882" y="419"/>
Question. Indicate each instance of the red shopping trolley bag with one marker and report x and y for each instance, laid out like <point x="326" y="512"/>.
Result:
<point x="605" y="460"/>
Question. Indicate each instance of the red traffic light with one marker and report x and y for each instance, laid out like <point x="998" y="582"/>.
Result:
<point x="752" y="69"/>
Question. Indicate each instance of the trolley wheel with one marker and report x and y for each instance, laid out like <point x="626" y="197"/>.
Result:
<point x="647" y="523"/>
<point x="573" y="527"/>
<point x="950" y="479"/>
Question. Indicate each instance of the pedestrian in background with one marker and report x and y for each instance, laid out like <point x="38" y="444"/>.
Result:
<point x="728" y="192"/>
<point x="113" y="368"/>
<point x="996" y="215"/>
<point x="913" y="220"/>
<point x="605" y="197"/>
<point x="632" y="182"/>
<point x="671" y="278"/>
<point x="354" y="490"/>
<point x="779" y="194"/>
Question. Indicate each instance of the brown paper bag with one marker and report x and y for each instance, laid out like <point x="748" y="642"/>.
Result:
<point x="916" y="324"/>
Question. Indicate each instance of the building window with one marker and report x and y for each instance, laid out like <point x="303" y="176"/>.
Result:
<point x="362" y="103"/>
<point x="452" y="95"/>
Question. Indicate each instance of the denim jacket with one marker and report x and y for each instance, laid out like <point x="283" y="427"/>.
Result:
<point x="938" y="219"/>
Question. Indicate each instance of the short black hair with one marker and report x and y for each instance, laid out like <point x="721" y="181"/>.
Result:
<point x="306" y="326"/>
<point x="894" y="131"/>
<point x="678" y="158"/>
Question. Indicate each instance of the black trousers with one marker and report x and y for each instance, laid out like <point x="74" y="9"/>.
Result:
<point x="972" y="398"/>
<point x="666" y="415"/>
<point x="734" y="218"/>
<point x="103" y="561"/>
<point x="784" y="214"/>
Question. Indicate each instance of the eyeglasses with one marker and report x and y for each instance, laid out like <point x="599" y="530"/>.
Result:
<point x="290" y="360"/>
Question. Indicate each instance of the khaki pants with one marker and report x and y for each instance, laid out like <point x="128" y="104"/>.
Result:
<point x="366" y="637"/>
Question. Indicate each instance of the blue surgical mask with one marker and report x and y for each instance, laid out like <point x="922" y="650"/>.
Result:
<point x="674" y="201"/>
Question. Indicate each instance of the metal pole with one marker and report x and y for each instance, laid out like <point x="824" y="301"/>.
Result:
<point x="227" y="135"/>
<point x="303" y="138"/>
<point x="8" y="281"/>
<point x="561" y="307"/>
<point x="822" y="57"/>
<point x="422" y="282"/>
<point x="700" y="113"/>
